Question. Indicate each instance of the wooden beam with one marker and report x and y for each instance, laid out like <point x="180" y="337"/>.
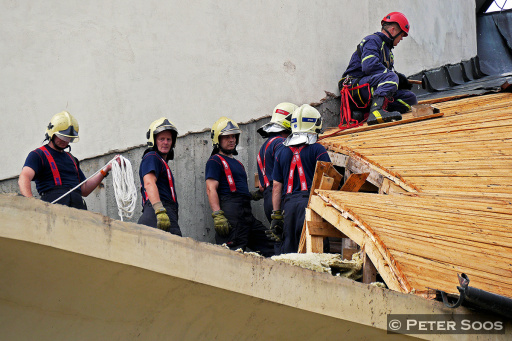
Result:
<point x="369" y="270"/>
<point x="326" y="182"/>
<point x="381" y="259"/>
<point x="354" y="182"/>
<point x="314" y="243"/>
<point x="322" y="169"/>
<point x="324" y="229"/>
<point x="379" y="126"/>
<point x="256" y="180"/>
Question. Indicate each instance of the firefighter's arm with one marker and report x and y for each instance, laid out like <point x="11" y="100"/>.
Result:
<point x="371" y="58"/>
<point x="213" y="196"/>
<point x="277" y="189"/>
<point x="26" y="176"/>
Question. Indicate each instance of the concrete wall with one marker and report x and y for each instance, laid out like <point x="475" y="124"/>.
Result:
<point x="191" y="153"/>
<point x="117" y="65"/>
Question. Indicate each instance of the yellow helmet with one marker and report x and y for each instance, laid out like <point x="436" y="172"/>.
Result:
<point x="157" y="127"/>
<point x="306" y="125"/>
<point x="224" y="126"/>
<point x="280" y="120"/>
<point x="64" y="125"/>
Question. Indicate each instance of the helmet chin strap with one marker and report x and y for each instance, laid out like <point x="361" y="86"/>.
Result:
<point x="228" y="152"/>
<point x="392" y="37"/>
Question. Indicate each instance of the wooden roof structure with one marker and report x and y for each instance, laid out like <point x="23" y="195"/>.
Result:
<point x="442" y="196"/>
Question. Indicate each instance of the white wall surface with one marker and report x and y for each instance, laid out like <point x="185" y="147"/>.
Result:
<point x="117" y="65"/>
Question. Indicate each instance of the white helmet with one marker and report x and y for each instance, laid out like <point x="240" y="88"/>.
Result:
<point x="306" y="125"/>
<point x="280" y="120"/>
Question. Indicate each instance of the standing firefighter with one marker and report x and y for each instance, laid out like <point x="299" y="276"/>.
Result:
<point x="56" y="171"/>
<point x="159" y="199"/>
<point x="275" y="132"/>
<point x="294" y="169"/>
<point x="371" y="67"/>
<point x="229" y="196"/>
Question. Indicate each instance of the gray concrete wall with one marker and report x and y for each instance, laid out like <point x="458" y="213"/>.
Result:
<point x="191" y="153"/>
<point x="119" y="64"/>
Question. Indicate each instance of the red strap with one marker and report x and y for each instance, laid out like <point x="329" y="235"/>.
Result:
<point x="345" y="112"/>
<point x="229" y="175"/>
<point x="296" y="162"/>
<point x="53" y="166"/>
<point x="262" y="165"/>
<point x="169" y="177"/>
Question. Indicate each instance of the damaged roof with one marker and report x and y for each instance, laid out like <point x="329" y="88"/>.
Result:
<point x="449" y="207"/>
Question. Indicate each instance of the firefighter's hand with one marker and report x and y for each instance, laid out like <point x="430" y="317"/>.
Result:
<point x="276" y="226"/>
<point x="403" y="82"/>
<point x="256" y="195"/>
<point x="162" y="219"/>
<point x="221" y="224"/>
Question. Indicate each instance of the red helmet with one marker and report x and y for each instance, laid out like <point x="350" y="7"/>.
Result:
<point x="400" y="19"/>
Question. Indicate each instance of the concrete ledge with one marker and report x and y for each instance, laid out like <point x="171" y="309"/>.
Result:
<point x="67" y="273"/>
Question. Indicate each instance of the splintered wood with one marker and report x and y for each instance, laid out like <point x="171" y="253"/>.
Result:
<point x="430" y="238"/>
<point x="459" y="218"/>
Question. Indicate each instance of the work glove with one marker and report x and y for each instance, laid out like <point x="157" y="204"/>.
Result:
<point x="403" y="82"/>
<point x="221" y="224"/>
<point x="276" y="226"/>
<point x="162" y="219"/>
<point x="256" y="195"/>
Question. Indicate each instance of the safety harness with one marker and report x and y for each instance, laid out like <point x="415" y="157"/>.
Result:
<point x="229" y="175"/>
<point x="169" y="177"/>
<point x="261" y="165"/>
<point x="55" y="171"/>
<point x="296" y="162"/>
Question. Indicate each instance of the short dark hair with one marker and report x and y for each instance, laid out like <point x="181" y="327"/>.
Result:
<point x="385" y="25"/>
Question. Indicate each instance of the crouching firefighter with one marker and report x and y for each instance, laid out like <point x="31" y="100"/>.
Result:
<point x="54" y="170"/>
<point x="275" y="132"/>
<point x="229" y="196"/>
<point x="293" y="173"/>
<point x="373" y="86"/>
<point x="159" y="198"/>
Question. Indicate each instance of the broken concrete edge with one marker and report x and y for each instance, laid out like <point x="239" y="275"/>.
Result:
<point x="93" y="235"/>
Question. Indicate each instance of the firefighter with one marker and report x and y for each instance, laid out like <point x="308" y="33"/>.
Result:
<point x="54" y="170"/>
<point x="229" y="196"/>
<point x="159" y="199"/>
<point x="275" y="132"/>
<point x="372" y="65"/>
<point x="294" y="168"/>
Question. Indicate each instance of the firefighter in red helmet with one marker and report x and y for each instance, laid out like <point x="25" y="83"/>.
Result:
<point x="385" y="94"/>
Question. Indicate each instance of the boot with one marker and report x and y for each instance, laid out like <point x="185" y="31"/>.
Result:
<point x="379" y="115"/>
<point x="358" y="116"/>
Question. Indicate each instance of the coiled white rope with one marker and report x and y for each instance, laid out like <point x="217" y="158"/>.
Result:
<point x="124" y="187"/>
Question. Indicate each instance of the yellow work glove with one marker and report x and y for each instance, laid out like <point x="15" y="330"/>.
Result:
<point x="275" y="232"/>
<point x="256" y="195"/>
<point x="221" y="224"/>
<point x="162" y="219"/>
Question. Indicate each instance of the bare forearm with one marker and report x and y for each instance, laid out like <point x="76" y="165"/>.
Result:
<point x="91" y="184"/>
<point x="213" y="196"/>
<point x="25" y="189"/>
<point x="277" y="188"/>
